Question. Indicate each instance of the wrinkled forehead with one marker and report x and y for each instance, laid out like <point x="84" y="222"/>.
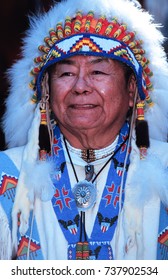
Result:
<point x="87" y="61"/>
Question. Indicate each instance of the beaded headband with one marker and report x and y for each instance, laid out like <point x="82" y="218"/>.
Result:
<point x="84" y="34"/>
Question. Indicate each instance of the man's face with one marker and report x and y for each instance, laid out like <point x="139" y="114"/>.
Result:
<point x="89" y="93"/>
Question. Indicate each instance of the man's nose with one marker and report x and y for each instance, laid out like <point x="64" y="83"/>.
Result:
<point x="82" y="85"/>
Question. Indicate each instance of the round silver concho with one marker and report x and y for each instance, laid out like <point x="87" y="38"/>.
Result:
<point x="85" y="194"/>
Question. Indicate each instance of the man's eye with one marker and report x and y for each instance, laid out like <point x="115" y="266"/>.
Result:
<point x="97" y="72"/>
<point x="66" y="74"/>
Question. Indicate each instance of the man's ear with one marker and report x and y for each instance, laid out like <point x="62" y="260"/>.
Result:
<point x="132" y="85"/>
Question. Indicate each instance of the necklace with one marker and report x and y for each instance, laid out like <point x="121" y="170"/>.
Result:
<point x="91" y="154"/>
<point x="85" y="191"/>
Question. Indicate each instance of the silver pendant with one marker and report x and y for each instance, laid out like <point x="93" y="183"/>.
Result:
<point x="85" y="194"/>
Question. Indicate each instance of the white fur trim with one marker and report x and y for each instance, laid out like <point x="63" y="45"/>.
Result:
<point x="5" y="237"/>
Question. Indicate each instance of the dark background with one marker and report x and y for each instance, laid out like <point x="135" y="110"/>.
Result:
<point x="13" y="23"/>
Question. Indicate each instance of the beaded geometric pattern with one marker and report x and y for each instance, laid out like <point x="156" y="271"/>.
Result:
<point x="85" y="34"/>
<point x="163" y="237"/>
<point x="8" y="185"/>
<point x="163" y="240"/>
<point x="23" y="248"/>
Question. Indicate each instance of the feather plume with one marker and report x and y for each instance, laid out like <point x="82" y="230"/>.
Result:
<point x="150" y="180"/>
<point x="39" y="183"/>
<point x="157" y="122"/>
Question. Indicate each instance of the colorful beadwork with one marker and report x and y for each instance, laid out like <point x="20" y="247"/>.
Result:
<point x="163" y="240"/>
<point x="130" y="49"/>
<point x="140" y="111"/>
<point x="82" y="251"/>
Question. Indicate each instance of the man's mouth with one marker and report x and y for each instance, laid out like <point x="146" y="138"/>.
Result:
<point x="83" y="106"/>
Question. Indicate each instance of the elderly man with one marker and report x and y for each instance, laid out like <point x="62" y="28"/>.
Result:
<point x="85" y="175"/>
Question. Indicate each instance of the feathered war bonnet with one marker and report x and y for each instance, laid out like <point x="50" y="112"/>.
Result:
<point x="119" y="30"/>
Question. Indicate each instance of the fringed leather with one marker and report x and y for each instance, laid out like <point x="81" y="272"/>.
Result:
<point x="5" y="237"/>
<point x="22" y="204"/>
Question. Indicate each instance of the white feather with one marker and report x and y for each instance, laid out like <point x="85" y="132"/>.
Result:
<point x="150" y="180"/>
<point x="157" y="122"/>
<point x="39" y="183"/>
